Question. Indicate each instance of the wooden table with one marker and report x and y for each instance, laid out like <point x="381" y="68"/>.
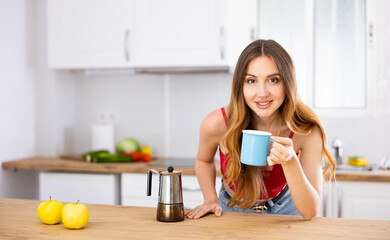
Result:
<point x="19" y="220"/>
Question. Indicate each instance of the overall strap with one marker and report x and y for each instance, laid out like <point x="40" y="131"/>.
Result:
<point x="224" y="116"/>
<point x="291" y="134"/>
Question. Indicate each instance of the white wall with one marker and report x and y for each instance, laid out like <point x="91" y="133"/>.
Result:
<point x="46" y="88"/>
<point x="162" y="111"/>
<point x="17" y="119"/>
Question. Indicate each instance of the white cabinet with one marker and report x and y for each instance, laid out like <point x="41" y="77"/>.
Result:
<point x="242" y="27"/>
<point x="180" y="33"/>
<point x="134" y="185"/>
<point x="359" y="200"/>
<point x="149" y="34"/>
<point x="86" y="187"/>
<point x="133" y="189"/>
<point x="90" y="33"/>
<point x="192" y="194"/>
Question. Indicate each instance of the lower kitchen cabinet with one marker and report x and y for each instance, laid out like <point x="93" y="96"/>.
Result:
<point x="359" y="200"/>
<point x="192" y="194"/>
<point x="133" y="188"/>
<point x="86" y="187"/>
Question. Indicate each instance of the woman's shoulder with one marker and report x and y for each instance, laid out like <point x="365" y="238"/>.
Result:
<point x="214" y="123"/>
<point x="314" y="137"/>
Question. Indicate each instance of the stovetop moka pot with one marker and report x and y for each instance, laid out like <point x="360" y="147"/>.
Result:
<point x="170" y="206"/>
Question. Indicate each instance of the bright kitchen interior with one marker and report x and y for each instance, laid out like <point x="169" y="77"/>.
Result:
<point x="57" y="86"/>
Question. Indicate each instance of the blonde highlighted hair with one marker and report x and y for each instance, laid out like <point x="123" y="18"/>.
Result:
<point x="297" y="116"/>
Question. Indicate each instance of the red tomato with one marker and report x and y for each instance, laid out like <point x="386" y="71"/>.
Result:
<point x="137" y="156"/>
<point x="146" y="158"/>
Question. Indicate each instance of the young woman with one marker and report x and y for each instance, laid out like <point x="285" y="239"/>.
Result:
<point x="264" y="97"/>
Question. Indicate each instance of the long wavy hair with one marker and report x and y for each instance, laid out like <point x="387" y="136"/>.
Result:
<point x="299" y="118"/>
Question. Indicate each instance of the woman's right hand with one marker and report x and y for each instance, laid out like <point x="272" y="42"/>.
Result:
<point x="203" y="209"/>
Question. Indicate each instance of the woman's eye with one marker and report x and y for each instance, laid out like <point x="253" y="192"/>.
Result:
<point x="274" y="80"/>
<point x="250" y="80"/>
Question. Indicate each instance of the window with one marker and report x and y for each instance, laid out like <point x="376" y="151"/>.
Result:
<point x="332" y="45"/>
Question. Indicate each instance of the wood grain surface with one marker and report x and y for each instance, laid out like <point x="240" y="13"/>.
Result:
<point x="19" y="220"/>
<point x="75" y="165"/>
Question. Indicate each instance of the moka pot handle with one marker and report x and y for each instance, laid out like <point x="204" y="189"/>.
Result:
<point x="149" y="181"/>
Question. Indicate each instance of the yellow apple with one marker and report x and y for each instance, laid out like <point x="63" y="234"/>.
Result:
<point x="49" y="212"/>
<point x="75" y="215"/>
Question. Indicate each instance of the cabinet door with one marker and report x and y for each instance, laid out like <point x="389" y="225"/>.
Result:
<point x="192" y="194"/>
<point x="180" y="33"/>
<point x="241" y="28"/>
<point x="133" y="190"/>
<point x="364" y="200"/>
<point x="86" y="187"/>
<point x="90" y="33"/>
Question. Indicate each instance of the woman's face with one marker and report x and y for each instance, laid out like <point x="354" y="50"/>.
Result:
<point x="263" y="87"/>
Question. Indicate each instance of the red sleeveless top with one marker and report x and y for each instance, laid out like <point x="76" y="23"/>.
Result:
<point x="274" y="182"/>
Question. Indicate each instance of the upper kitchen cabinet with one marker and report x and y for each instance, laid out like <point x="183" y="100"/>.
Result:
<point x="147" y="34"/>
<point x="180" y="33"/>
<point x="242" y="27"/>
<point x="90" y="33"/>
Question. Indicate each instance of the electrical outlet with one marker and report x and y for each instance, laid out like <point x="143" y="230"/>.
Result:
<point x="101" y="117"/>
<point x="107" y="117"/>
<point x="113" y="117"/>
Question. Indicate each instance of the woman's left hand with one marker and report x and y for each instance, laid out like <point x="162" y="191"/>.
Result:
<point x="281" y="152"/>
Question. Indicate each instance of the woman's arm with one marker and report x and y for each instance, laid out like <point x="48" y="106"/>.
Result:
<point x="211" y="133"/>
<point x="304" y="176"/>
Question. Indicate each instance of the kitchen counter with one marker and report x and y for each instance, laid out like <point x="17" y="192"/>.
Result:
<point x="19" y="220"/>
<point x="75" y="165"/>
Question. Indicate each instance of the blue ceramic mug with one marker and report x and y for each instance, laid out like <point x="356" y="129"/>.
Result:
<point x="254" y="147"/>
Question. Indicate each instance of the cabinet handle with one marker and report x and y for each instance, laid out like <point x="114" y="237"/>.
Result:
<point x="252" y="34"/>
<point x="191" y="189"/>
<point x="324" y="203"/>
<point x="221" y="42"/>
<point x="371" y="33"/>
<point x="126" y="45"/>
<point x="339" y="202"/>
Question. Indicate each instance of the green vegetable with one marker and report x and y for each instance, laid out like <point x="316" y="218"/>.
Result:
<point x="90" y="155"/>
<point x="113" y="158"/>
<point x="105" y="157"/>
<point x="128" y="145"/>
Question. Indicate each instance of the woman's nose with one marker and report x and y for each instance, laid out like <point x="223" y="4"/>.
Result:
<point x="262" y="90"/>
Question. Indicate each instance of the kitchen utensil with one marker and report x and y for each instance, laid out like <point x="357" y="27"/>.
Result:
<point x="337" y="144"/>
<point x="170" y="206"/>
<point x="384" y="164"/>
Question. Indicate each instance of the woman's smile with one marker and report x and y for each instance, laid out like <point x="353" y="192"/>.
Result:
<point x="264" y="105"/>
